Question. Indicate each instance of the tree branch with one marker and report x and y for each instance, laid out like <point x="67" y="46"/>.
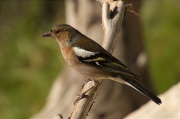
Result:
<point x="112" y="16"/>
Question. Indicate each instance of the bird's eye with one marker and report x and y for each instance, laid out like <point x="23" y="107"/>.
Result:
<point x="57" y="31"/>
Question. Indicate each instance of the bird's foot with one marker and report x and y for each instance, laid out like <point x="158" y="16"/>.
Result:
<point x="83" y="94"/>
<point x="85" y="81"/>
<point x="79" y="97"/>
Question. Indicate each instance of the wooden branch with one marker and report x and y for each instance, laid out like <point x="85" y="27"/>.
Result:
<point x="58" y="116"/>
<point x="112" y="16"/>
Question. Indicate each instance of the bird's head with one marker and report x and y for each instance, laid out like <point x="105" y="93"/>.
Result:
<point x="62" y="33"/>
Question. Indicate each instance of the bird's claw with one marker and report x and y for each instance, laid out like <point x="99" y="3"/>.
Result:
<point x="82" y="95"/>
<point x="85" y="81"/>
<point x="79" y="97"/>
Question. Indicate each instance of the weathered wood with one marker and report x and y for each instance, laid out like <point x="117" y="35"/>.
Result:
<point x="170" y="109"/>
<point x="112" y="16"/>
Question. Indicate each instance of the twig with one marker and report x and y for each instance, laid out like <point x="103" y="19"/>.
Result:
<point x="129" y="8"/>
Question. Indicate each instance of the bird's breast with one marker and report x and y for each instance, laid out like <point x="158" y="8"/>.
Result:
<point x="69" y="56"/>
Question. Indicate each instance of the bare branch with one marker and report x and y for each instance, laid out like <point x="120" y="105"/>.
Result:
<point x="58" y="116"/>
<point x="112" y="16"/>
<point x="129" y="7"/>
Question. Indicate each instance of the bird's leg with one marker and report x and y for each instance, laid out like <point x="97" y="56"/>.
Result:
<point x="95" y="83"/>
<point x="85" y="81"/>
<point x="82" y="95"/>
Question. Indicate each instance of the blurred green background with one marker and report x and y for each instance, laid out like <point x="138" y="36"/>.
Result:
<point x="29" y="62"/>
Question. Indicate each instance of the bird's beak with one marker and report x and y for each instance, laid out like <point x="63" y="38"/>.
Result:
<point x="48" y="34"/>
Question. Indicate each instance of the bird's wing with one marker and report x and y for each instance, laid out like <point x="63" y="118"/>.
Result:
<point x="104" y="61"/>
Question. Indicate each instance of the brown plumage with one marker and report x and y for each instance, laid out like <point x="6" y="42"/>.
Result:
<point x="89" y="58"/>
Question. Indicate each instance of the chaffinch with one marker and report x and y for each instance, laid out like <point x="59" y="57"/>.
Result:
<point x="89" y="58"/>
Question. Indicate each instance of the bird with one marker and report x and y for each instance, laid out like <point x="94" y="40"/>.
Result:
<point x="92" y="60"/>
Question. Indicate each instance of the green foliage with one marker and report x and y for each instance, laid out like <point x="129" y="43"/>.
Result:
<point x="29" y="62"/>
<point x="161" y="23"/>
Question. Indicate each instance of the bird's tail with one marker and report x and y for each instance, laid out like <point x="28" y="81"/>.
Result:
<point x="143" y="91"/>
